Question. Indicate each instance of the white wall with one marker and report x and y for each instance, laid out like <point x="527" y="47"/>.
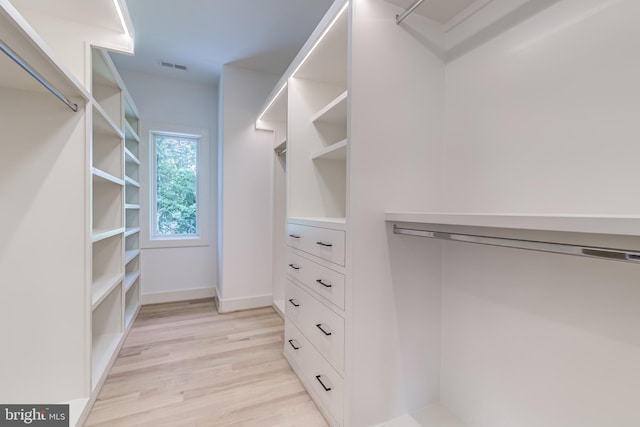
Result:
<point x="186" y="272"/>
<point x="542" y="119"/>
<point x="245" y="245"/>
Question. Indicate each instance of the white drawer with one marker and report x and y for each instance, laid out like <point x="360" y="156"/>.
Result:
<point x="323" y="281"/>
<point x="322" y="242"/>
<point x="324" y="384"/>
<point x="321" y="326"/>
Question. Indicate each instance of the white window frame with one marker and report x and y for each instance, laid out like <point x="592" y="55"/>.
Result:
<point x="148" y="237"/>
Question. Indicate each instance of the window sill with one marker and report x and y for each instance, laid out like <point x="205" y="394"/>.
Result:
<point x="177" y="242"/>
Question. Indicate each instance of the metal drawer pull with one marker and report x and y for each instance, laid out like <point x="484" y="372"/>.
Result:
<point x="326" y="245"/>
<point x="295" y="267"/>
<point x="294" y="303"/>
<point x="322" y="384"/>
<point x="326" y="285"/>
<point x="293" y="345"/>
<point x="319" y="326"/>
<point x="294" y="236"/>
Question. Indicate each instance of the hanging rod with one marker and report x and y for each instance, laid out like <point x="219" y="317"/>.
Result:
<point x="18" y="60"/>
<point x="556" y="248"/>
<point x="407" y="12"/>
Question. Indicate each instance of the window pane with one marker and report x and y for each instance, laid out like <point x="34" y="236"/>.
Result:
<point x="176" y="185"/>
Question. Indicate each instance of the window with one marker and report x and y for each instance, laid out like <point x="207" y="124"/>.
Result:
<point x="176" y="185"/>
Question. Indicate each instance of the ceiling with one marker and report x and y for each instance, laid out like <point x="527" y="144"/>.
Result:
<point x="263" y="35"/>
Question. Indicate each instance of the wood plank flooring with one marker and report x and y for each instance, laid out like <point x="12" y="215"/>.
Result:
<point x="183" y="364"/>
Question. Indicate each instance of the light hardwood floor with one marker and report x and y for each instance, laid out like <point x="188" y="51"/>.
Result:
<point x="183" y="364"/>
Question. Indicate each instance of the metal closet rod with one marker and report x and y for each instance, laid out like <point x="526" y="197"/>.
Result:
<point x="407" y="12"/>
<point x="18" y="60"/>
<point x="556" y="248"/>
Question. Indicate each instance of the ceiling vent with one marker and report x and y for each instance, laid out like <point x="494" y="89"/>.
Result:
<point x="176" y="66"/>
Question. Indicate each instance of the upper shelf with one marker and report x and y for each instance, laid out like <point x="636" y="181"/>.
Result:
<point x="628" y="225"/>
<point x="335" y="112"/>
<point x="23" y="40"/>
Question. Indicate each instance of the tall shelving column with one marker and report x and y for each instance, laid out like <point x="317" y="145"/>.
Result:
<point x="132" y="211"/>
<point x="274" y="118"/>
<point x="316" y="261"/>
<point x="107" y="217"/>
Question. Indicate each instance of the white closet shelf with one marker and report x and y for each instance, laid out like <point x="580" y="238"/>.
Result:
<point x="102" y="176"/>
<point x="23" y="40"/>
<point x="104" y="347"/>
<point x="130" y="313"/>
<point x="131" y="206"/>
<point x="103" y="123"/>
<point x="129" y="157"/>
<point x="102" y="287"/>
<point x="130" y="279"/>
<point x="335" y="112"/>
<point x="320" y="221"/>
<point x="132" y="181"/>
<point x="130" y="133"/>
<point x="130" y="255"/>
<point x="337" y="151"/>
<point x="432" y="416"/>
<point x="132" y="230"/>
<point x="104" y="233"/>
<point x="598" y="224"/>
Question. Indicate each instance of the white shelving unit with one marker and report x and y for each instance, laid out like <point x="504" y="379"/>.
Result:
<point x="317" y="124"/>
<point x="465" y="123"/>
<point x="309" y="273"/>
<point x="70" y="162"/>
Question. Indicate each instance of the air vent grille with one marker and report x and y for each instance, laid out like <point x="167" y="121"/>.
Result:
<point x="171" y="65"/>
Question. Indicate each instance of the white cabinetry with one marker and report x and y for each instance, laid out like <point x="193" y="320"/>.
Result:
<point x="63" y="174"/>
<point x="518" y="117"/>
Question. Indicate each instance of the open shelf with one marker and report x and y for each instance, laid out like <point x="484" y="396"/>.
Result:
<point x="107" y="204"/>
<point x="337" y="151"/>
<point x="605" y="224"/>
<point x="106" y="86"/>
<point x="130" y="133"/>
<point x="24" y="41"/>
<point x="132" y="303"/>
<point x="335" y="112"/>
<point x="101" y="234"/>
<point x="106" y="147"/>
<point x="131" y="114"/>
<point x="107" y="330"/>
<point x="130" y="278"/>
<point x="129" y="255"/>
<point x="104" y="177"/>
<point x="131" y="231"/>
<point x="101" y="288"/>
<point x="130" y="157"/>
<point x="131" y="181"/>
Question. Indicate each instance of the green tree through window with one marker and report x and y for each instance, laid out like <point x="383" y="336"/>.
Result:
<point x="176" y="185"/>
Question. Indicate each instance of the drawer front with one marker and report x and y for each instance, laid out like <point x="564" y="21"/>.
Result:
<point x="324" y="384"/>
<point x="321" y="326"/>
<point x="323" y="281"/>
<point x="322" y="242"/>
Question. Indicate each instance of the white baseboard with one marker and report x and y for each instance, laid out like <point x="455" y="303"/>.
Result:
<point x="173" y="296"/>
<point x="237" y="304"/>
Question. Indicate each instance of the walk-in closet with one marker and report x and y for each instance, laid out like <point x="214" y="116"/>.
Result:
<point x="402" y="213"/>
